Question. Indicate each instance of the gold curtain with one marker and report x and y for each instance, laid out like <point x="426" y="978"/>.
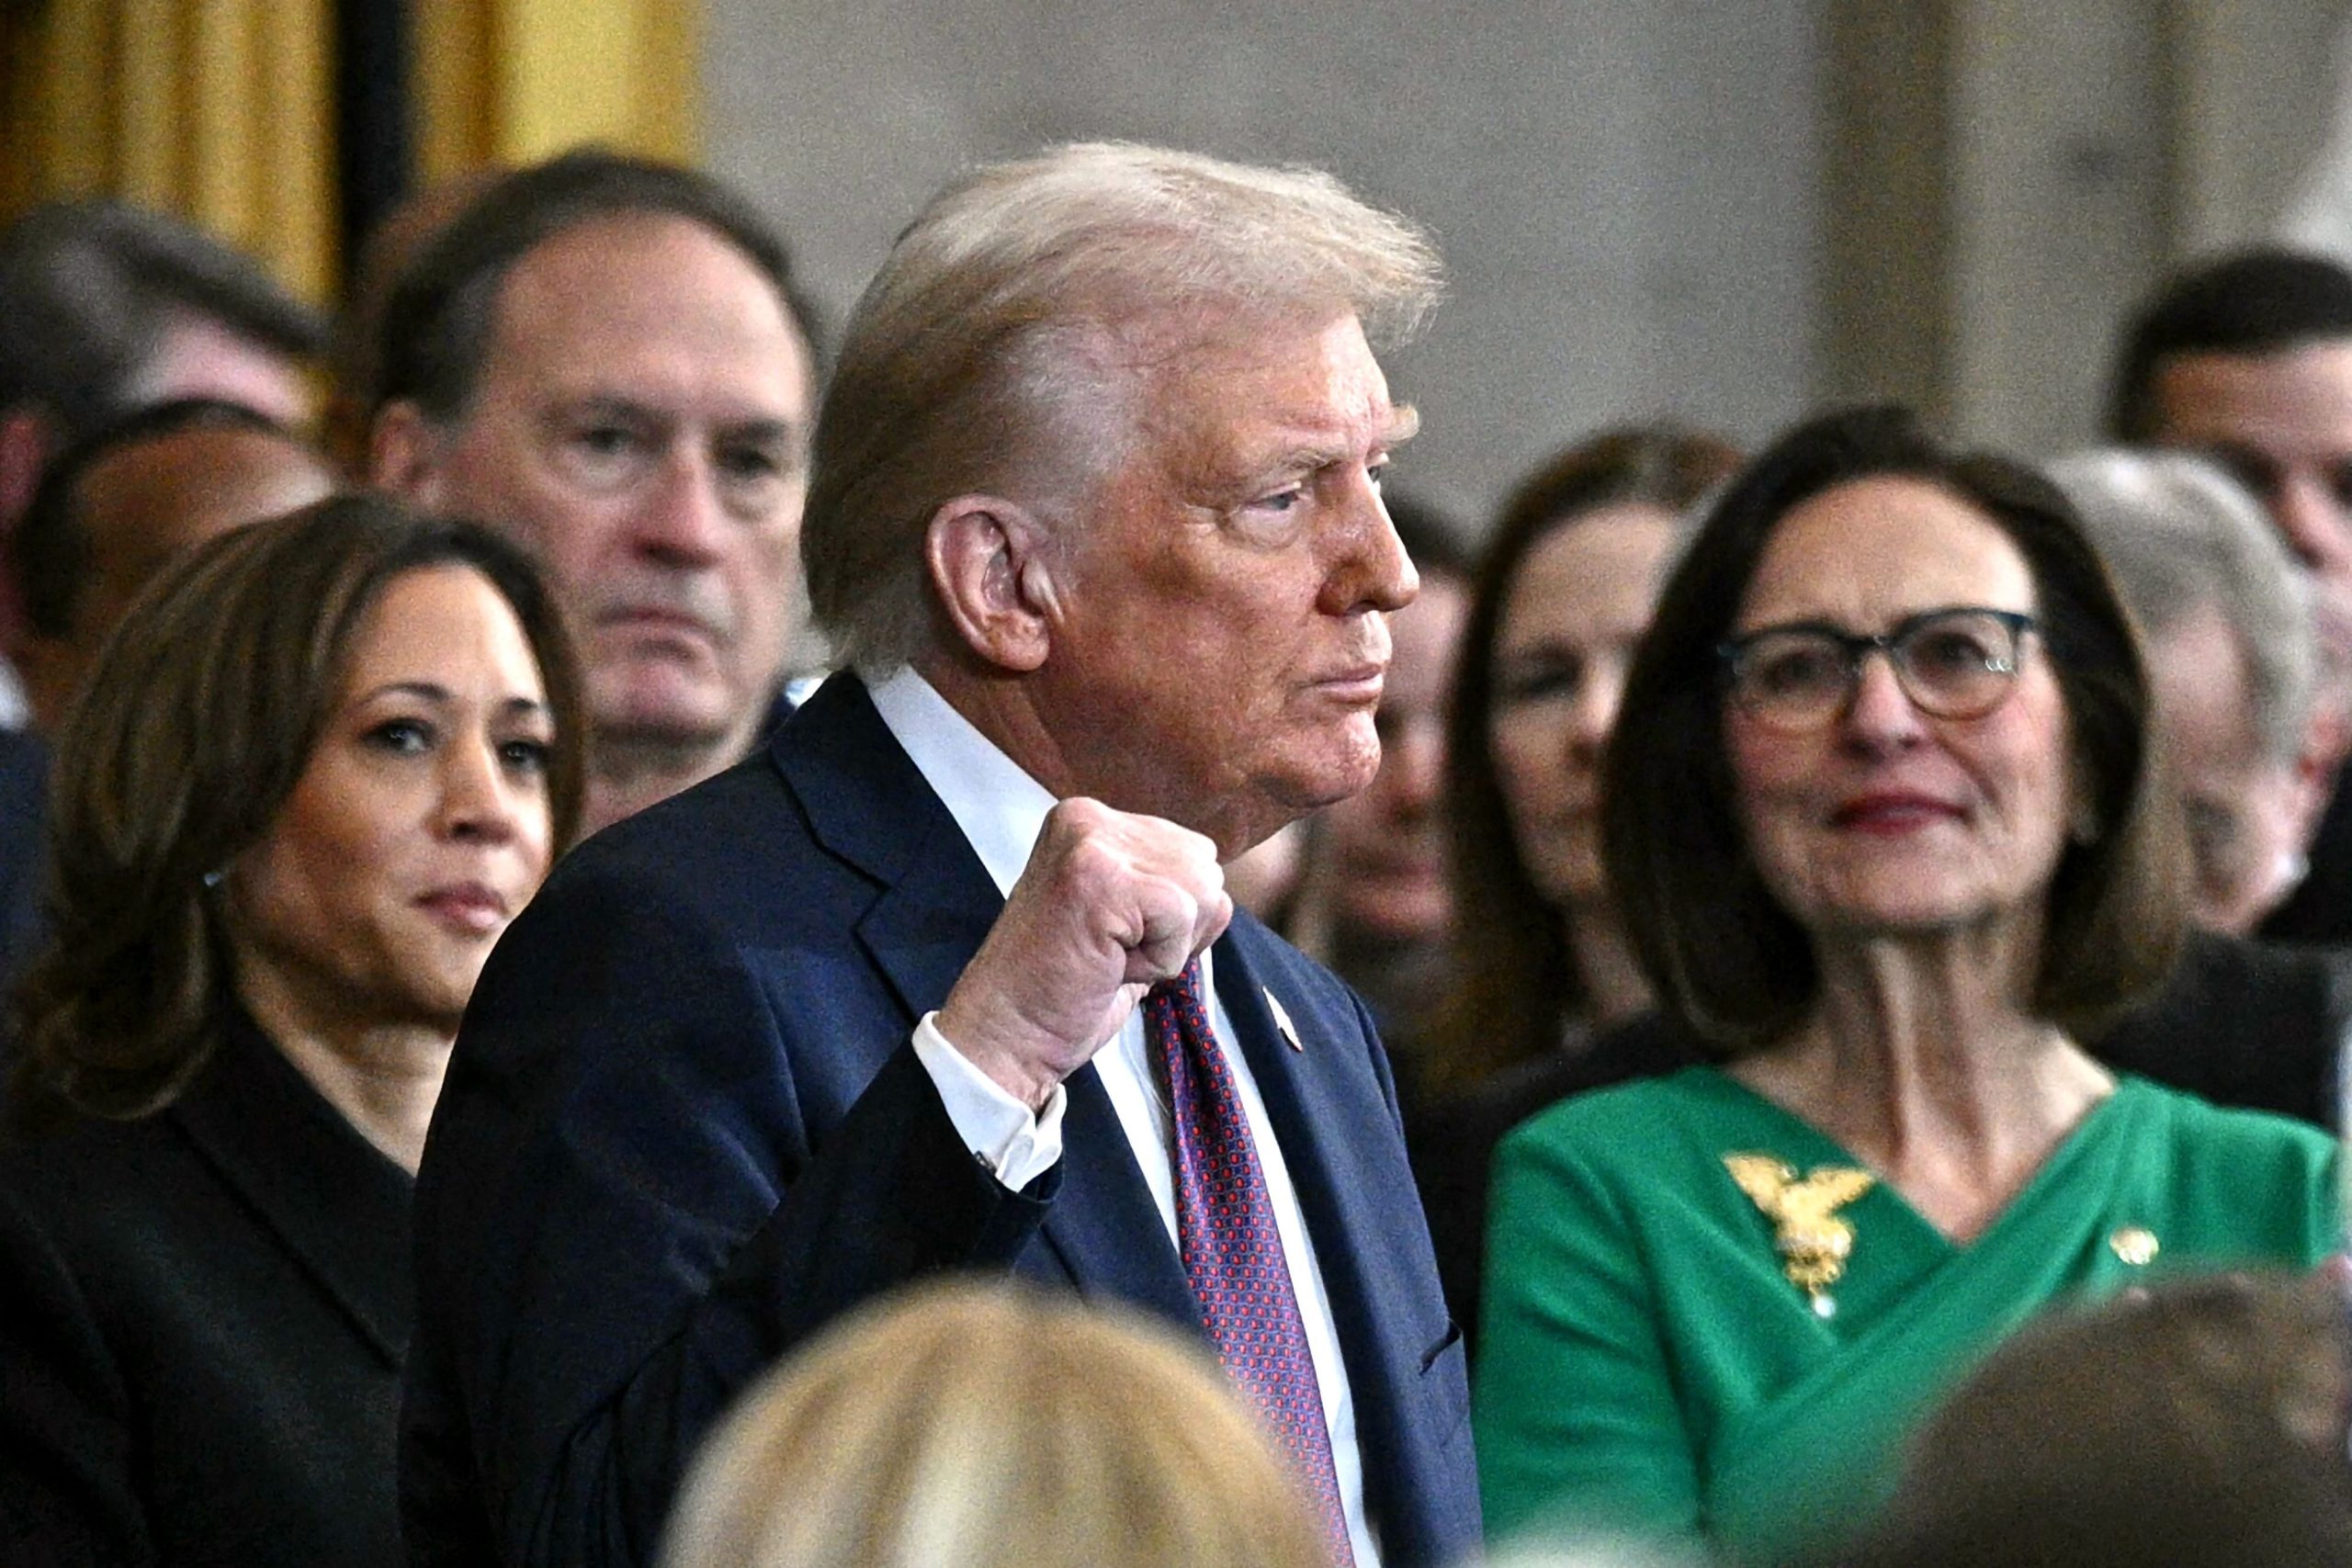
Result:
<point x="511" y="81"/>
<point x="220" y="111"/>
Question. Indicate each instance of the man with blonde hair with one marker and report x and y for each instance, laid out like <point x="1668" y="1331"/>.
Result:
<point x="947" y="978"/>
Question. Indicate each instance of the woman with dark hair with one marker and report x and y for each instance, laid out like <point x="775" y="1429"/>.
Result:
<point x="1564" y="592"/>
<point x="316" y="771"/>
<point x="1539" y="961"/>
<point x="1885" y="829"/>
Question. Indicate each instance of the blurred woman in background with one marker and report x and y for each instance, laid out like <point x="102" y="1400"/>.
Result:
<point x="319" y="768"/>
<point x="1564" y="591"/>
<point x="1376" y="899"/>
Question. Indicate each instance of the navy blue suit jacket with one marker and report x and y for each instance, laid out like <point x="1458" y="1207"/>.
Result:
<point x="684" y="1127"/>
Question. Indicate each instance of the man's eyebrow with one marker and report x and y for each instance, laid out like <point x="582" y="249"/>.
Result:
<point x="604" y="405"/>
<point x="1403" y="422"/>
<point x="766" y="431"/>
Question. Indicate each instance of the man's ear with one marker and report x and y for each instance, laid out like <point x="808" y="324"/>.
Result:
<point x="990" y="564"/>
<point x="403" y="454"/>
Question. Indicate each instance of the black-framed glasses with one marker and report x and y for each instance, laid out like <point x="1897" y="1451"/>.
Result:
<point x="1957" y="661"/>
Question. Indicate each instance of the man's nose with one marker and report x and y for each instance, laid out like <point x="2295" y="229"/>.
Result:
<point x="682" y="519"/>
<point x="1374" y="571"/>
<point x="2313" y="521"/>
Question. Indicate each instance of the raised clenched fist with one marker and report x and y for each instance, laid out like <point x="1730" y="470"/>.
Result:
<point x="1109" y="905"/>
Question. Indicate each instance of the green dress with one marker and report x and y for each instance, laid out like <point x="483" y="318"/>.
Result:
<point x="1647" y="1367"/>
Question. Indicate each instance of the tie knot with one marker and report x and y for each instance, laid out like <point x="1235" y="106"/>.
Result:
<point x="1184" y="985"/>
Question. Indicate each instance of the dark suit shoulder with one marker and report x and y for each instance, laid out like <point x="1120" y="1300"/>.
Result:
<point x="2242" y="1023"/>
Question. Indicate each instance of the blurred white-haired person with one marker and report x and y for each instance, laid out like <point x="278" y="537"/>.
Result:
<point x="992" y="1427"/>
<point x="2235" y="659"/>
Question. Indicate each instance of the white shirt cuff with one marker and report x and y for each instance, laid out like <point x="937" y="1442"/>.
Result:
<point x="1017" y="1145"/>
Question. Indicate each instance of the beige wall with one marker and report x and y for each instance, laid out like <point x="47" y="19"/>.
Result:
<point x="1623" y="188"/>
<point x="1726" y="211"/>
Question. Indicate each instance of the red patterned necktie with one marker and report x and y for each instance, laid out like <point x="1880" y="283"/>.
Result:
<point x="1233" y="1255"/>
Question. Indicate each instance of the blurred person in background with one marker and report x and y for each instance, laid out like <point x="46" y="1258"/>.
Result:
<point x="104" y="308"/>
<point x="2228" y="622"/>
<point x="2247" y="358"/>
<point x="114" y="510"/>
<point x="326" y="761"/>
<point x="1376" y="901"/>
<point x="609" y="360"/>
<point x="2227" y="616"/>
<point x="1889" y="833"/>
<point x="110" y="511"/>
<point x="1565" y="590"/>
<point x="354" y="361"/>
<point x="883" y="1445"/>
<point x="2200" y="1425"/>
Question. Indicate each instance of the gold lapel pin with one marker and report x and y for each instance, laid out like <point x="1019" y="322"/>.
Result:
<point x="1813" y="1239"/>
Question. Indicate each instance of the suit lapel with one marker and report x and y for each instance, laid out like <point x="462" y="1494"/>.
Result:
<point x="869" y="802"/>
<point x="1337" y="1137"/>
<point x="335" y="1203"/>
<point x="1103" y="1225"/>
<point x="1300" y="1085"/>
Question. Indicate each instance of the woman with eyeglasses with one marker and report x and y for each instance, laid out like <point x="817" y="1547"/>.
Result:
<point x="1882" y="816"/>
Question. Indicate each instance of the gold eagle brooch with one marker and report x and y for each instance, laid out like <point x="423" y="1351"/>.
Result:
<point x="1813" y="1242"/>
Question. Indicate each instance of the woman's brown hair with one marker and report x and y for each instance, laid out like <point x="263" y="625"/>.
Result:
<point x="1516" y="979"/>
<point x="1720" y="950"/>
<point x="199" y="716"/>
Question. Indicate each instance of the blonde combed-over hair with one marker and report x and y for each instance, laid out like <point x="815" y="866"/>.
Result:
<point x="992" y="1427"/>
<point x="995" y="352"/>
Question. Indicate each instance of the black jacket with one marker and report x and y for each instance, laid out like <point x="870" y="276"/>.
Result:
<point x="202" y="1315"/>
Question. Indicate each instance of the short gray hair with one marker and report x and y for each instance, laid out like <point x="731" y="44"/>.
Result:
<point x="984" y="353"/>
<point x="2180" y="534"/>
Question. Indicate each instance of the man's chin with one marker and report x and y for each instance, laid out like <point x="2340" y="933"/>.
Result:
<point x="658" y="716"/>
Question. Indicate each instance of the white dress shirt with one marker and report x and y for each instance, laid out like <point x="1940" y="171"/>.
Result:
<point x="1002" y="811"/>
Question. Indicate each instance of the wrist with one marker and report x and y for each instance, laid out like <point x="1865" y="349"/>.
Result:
<point x="998" y="1053"/>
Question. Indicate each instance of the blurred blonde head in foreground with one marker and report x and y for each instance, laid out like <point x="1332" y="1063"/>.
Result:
<point x="983" y="1426"/>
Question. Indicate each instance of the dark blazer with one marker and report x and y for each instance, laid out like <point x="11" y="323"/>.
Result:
<point x="684" y="1128"/>
<point x="2319" y="912"/>
<point x="2238" y="1023"/>
<point x="201" y="1321"/>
